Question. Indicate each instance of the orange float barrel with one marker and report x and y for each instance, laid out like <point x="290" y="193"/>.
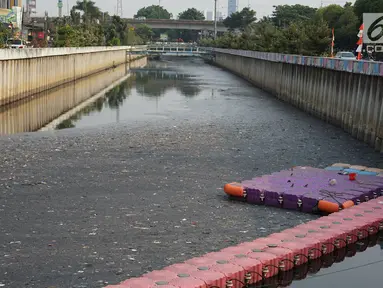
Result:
<point x="348" y="204"/>
<point x="330" y="207"/>
<point x="234" y="189"/>
<point x="327" y="206"/>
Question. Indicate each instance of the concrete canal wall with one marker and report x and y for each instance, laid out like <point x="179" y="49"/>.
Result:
<point x="25" y="72"/>
<point x="346" y="93"/>
<point x="50" y="107"/>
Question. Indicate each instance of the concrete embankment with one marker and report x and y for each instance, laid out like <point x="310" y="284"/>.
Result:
<point x="51" y="107"/>
<point x="346" y="93"/>
<point x="25" y="72"/>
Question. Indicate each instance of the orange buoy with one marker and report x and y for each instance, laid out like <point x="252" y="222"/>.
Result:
<point x="348" y="204"/>
<point x="234" y="189"/>
<point x="327" y="206"/>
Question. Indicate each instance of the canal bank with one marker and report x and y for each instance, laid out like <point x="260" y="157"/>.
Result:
<point x="26" y="72"/>
<point x="49" y="108"/>
<point x="115" y="197"/>
<point x="345" y="93"/>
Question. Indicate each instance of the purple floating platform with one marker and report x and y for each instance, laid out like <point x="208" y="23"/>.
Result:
<point x="309" y="190"/>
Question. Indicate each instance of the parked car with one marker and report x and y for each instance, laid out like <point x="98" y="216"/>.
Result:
<point x="345" y="55"/>
<point x="16" y="44"/>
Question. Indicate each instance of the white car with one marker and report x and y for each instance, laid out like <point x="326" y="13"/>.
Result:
<point x="16" y="43"/>
<point x="345" y="55"/>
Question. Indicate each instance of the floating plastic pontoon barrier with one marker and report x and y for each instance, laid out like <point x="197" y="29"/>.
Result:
<point x="312" y="190"/>
<point x="264" y="259"/>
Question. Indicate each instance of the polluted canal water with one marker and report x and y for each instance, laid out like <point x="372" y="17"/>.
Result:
<point x="166" y="89"/>
<point x="174" y="89"/>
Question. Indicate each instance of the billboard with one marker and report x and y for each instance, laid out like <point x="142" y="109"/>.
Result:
<point x="31" y="6"/>
<point x="14" y="16"/>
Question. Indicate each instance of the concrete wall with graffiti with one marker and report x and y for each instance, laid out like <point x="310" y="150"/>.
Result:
<point x="353" y="66"/>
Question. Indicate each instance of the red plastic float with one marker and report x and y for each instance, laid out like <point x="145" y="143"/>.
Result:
<point x="265" y="257"/>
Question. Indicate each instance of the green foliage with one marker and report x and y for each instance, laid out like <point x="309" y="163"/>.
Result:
<point x="367" y="6"/>
<point x="240" y="20"/>
<point x="5" y="34"/>
<point x="154" y="12"/>
<point x="301" y="36"/>
<point x="94" y="28"/>
<point x="299" y="29"/>
<point x="191" y="14"/>
<point x="114" y="42"/>
<point x="284" y="15"/>
<point x="91" y="13"/>
<point x="144" y="32"/>
<point x="345" y="24"/>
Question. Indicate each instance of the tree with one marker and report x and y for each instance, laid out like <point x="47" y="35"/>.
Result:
<point x="5" y="34"/>
<point x="240" y="20"/>
<point x="153" y="12"/>
<point x="284" y="15"/>
<point x="345" y="24"/>
<point x="144" y="32"/>
<point x="191" y="14"/>
<point x="66" y="36"/>
<point x="318" y="38"/>
<point x="90" y="11"/>
<point x="367" y="6"/>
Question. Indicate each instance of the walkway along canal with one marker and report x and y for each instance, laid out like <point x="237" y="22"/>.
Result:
<point x="106" y="201"/>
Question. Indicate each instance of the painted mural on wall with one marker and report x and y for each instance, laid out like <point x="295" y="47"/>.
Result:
<point x="13" y="16"/>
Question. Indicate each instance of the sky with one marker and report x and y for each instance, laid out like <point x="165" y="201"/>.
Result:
<point x="263" y="8"/>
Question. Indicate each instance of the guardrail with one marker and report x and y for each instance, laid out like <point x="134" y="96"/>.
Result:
<point x="353" y="66"/>
<point x="13" y="54"/>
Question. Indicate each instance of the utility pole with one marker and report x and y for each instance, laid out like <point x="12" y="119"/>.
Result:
<point x="119" y="8"/>
<point x="215" y="19"/>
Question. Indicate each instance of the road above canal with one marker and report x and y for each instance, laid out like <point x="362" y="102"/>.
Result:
<point x="104" y="202"/>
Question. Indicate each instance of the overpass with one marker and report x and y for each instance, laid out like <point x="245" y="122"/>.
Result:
<point x="170" y="49"/>
<point x="155" y="24"/>
<point x="179" y="24"/>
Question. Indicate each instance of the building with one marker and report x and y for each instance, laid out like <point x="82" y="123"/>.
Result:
<point x="219" y="16"/>
<point x="31" y="6"/>
<point x="11" y="13"/>
<point x="3" y="4"/>
<point x="8" y="4"/>
<point x="15" y="3"/>
<point x="232" y="7"/>
<point x="209" y="15"/>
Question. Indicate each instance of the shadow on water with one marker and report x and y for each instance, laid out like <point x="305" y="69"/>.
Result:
<point x="33" y="113"/>
<point x="167" y="83"/>
<point x="112" y="100"/>
<point x="353" y="266"/>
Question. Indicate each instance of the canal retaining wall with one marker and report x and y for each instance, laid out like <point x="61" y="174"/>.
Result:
<point x="49" y="108"/>
<point x="25" y="72"/>
<point x="346" y="93"/>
